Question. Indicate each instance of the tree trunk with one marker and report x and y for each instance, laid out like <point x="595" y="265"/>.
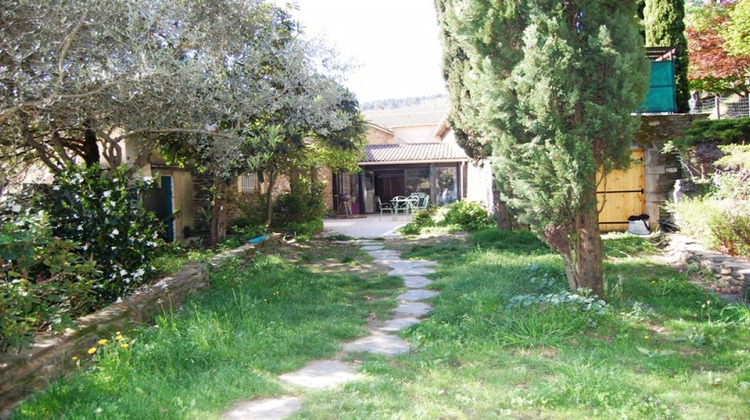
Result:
<point x="90" y="147"/>
<point x="584" y="266"/>
<point x="580" y="245"/>
<point x="269" y="199"/>
<point x="217" y="225"/>
<point x="502" y="215"/>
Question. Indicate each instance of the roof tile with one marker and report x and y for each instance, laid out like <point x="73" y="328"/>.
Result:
<point x="413" y="152"/>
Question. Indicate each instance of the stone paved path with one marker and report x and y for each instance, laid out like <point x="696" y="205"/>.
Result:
<point x="330" y="373"/>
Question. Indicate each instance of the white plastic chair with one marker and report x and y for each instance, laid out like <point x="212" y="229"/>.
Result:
<point x="384" y="207"/>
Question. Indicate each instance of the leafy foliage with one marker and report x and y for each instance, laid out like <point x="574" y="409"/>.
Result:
<point x="712" y="67"/>
<point x="721" y="218"/>
<point x="102" y="212"/>
<point x="737" y="31"/>
<point x="726" y="131"/>
<point x="45" y="283"/>
<point x="460" y="215"/>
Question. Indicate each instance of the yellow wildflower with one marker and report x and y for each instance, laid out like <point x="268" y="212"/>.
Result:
<point x="119" y="337"/>
<point x="103" y="341"/>
<point x="74" y="357"/>
<point x="92" y="350"/>
<point x="124" y="345"/>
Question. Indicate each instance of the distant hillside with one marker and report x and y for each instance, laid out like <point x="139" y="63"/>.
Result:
<point x="422" y="101"/>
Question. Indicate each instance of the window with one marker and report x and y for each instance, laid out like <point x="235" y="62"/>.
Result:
<point x="246" y="183"/>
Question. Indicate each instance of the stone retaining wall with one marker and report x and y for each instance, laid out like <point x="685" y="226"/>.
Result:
<point x="732" y="275"/>
<point x="51" y="355"/>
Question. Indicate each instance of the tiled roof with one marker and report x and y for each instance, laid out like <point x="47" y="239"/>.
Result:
<point x="406" y="117"/>
<point x="413" y="152"/>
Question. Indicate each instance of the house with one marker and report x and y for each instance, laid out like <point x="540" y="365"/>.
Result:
<point x="411" y="150"/>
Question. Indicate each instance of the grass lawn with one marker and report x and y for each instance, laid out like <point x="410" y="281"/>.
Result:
<point x="228" y="344"/>
<point x="504" y="341"/>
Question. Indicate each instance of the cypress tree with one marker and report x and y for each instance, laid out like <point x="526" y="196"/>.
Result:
<point x="554" y="84"/>
<point x="664" y="22"/>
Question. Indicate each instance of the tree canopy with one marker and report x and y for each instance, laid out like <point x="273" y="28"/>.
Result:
<point x="80" y="77"/>
<point x="554" y="84"/>
<point x="715" y="66"/>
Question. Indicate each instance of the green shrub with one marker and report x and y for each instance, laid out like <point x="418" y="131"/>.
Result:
<point x="305" y="230"/>
<point x="300" y="206"/>
<point x="45" y="284"/>
<point x="420" y="220"/>
<point x="718" y="223"/>
<point x="458" y="216"/>
<point x="730" y="229"/>
<point x="102" y="211"/>
<point x="726" y="131"/>
<point x="468" y="215"/>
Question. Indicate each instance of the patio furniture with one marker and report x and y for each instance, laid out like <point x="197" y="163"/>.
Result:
<point x="345" y="206"/>
<point x="385" y="207"/>
<point x="412" y="203"/>
<point x="424" y="201"/>
<point x="400" y="204"/>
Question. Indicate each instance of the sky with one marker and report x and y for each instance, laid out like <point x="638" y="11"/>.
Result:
<point x="394" y="42"/>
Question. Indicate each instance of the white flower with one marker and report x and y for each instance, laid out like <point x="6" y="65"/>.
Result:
<point x="79" y="228"/>
<point x="148" y="178"/>
<point x="106" y="194"/>
<point x="123" y="272"/>
<point x="114" y="233"/>
<point x="16" y="208"/>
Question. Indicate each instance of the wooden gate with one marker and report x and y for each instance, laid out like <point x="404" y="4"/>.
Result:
<point x="623" y="195"/>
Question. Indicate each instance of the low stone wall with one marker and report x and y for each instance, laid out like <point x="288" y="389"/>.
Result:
<point x="733" y="275"/>
<point x="51" y="355"/>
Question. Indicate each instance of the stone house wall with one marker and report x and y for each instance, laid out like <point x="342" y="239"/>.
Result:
<point x="662" y="169"/>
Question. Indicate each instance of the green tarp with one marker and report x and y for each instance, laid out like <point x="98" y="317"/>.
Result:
<point x="661" y="93"/>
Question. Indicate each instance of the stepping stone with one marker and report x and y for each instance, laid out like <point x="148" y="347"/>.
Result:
<point x="371" y="247"/>
<point x="416" y="282"/>
<point x="387" y="260"/>
<point x="414" y="271"/>
<point x="379" y="343"/>
<point x="322" y="374"/>
<point x="415" y="309"/>
<point x="398" y="324"/>
<point x="267" y="408"/>
<point x="388" y="253"/>
<point x="406" y="264"/>
<point x="418" y="294"/>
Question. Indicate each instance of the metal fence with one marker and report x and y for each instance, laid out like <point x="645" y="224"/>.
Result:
<point x="719" y="107"/>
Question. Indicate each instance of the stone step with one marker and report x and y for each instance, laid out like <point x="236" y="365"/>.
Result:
<point x="265" y="409"/>
<point x="379" y="343"/>
<point x="398" y="324"/>
<point x="413" y="271"/>
<point x="413" y="309"/>
<point x="416" y="282"/>
<point x="322" y="374"/>
<point x="417" y="294"/>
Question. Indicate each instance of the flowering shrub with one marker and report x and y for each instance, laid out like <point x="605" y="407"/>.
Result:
<point x="44" y="283"/>
<point x="101" y="210"/>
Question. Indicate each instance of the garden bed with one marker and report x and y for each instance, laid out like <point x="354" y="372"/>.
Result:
<point x="53" y="355"/>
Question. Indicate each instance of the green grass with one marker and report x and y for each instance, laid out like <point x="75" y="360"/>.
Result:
<point x="229" y="344"/>
<point x="662" y="348"/>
